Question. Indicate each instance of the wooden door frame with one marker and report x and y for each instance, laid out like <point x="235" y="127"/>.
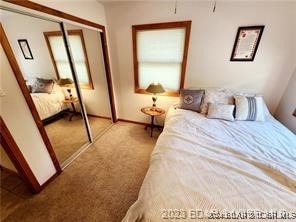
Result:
<point x="63" y="15"/>
<point x="21" y="82"/>
<point x="20" y="79"/>
<point x="15" y="155"/>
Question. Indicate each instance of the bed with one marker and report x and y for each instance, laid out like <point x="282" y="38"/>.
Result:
<point x="49" y="105"/>
<point x="205" y="169"/>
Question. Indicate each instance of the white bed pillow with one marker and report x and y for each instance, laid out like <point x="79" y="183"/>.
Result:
<point x="216" y="95"/>
<point x="249" y="108"/>
<point x="220" y="111"/>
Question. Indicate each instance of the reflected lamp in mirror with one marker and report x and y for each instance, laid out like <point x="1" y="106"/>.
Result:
<point x="66" y="83"/>
<point x="155" y="88"/>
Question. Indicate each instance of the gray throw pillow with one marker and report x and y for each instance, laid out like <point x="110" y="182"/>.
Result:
<point x="42" y="85"/>
<point x="191" y="99"/>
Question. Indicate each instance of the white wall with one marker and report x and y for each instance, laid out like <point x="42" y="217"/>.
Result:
<point x="287" y="105"/>
<point x="91" y="10"/>
<point x="17" y="116"/>
<point x="211" y="41"/>
<point x="5" y="161"/>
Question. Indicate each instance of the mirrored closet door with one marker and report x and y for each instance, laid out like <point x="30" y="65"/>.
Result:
<point x="86" y="48"/>
<point x="67" y="84"/>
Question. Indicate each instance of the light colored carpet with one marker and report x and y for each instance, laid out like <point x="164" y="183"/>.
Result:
<point x="100" y="185"/>
<point x="67" y="136"/>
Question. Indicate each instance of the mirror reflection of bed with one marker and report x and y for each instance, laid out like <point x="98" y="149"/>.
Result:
<point x="51" y="84"/>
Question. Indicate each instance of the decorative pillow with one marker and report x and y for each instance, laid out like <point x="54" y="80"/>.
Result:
<point x="220" y="111"/>
<point x="191" y="99"/>
<point x="42" y="86"/>
<point x="216" y="95"/>
<point x="249" y="108"/>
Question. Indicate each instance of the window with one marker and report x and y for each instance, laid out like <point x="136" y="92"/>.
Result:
<point x="160" y="55"/>
<point x="60" y="60"/>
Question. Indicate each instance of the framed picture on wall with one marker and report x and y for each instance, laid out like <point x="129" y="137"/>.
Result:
<point x="23" y="43"/>
<point x="246" y="43"/>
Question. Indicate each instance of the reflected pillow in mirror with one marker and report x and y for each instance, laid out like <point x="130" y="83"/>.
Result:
<point x="42" y="86"/>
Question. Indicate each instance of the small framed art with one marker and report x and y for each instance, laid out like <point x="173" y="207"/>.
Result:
<point x="246" y="43"/>
<point x="23" y="43"/>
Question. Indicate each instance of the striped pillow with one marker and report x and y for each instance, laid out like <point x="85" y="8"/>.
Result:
<point x="249" y="108"/>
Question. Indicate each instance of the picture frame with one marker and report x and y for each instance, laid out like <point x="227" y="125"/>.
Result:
<point x="24" y="45"/>
<point x="246" y="43"/>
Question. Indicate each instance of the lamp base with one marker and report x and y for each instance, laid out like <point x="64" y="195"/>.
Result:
<point x="70" y="94"/>
<point x="154" y="99"/>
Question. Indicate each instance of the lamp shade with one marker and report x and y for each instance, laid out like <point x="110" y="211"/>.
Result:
<point x="155" y="88"/>
<point x="63" y="82"/>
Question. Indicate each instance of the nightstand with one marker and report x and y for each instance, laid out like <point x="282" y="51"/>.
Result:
<point x="153" y="112"/>
<point x="72" y="101"/>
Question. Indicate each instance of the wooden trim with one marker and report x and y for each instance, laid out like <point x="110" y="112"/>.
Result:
<point x="136" y="122"/>
<point x="51" y="55"/>
<point x="78" y="32"/>
<point x="17" y="158"/>
<point x="185" y="55"/>
<point x="132" y="121"/>
<point x="21" y="82"/>
<point x="108" y="74"/>
<point x="54" y="12"/>
<point x="49" y="180"/>
<point x="167" y="25"/>
<point x="98" y="116"/>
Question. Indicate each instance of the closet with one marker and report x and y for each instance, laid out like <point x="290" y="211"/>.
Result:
<point x="65" y="78"/>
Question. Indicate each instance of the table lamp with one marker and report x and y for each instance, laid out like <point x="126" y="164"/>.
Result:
<point x="66" y="82"/>
<point x="155" y="88"/>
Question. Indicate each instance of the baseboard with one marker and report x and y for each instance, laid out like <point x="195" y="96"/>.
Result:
<point x="97" y="116"/>
<point x="49" y="180"/>
<point x="136" y="122"/>
<point x="131" y="121"/>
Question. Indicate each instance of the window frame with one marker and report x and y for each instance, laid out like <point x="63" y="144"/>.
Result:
<point x="163" y="26"/>
<point x="78" y="32"/>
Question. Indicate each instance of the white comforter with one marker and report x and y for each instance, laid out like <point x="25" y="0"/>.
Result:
<point x="201" y="167"/>
<point x="48" y="105"/>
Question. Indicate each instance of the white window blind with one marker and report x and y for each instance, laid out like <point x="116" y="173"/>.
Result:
<point x="160" y="56"/>
<point x="61" y="59"/>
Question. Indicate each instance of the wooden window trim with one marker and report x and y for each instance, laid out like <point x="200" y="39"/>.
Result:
<point x="167" y="25"/>
<point x="70" y="32"/>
